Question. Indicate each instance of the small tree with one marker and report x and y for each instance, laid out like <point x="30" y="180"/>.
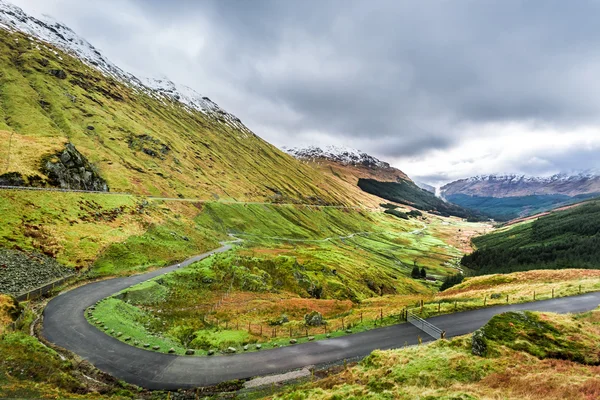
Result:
<point x="423" y="273"/>
<point x="415" y="274"/>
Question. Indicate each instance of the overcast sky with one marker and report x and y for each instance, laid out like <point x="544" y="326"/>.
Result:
<point x="440" y="89"/>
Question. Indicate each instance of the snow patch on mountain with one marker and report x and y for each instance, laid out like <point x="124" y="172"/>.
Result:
<point x="49" y="31"/>
<point x="514" y="178"/>
<point x="339" y="154"/>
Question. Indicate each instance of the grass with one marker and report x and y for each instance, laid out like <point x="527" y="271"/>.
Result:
<point x="206" y="157"/>
<point x="319" y="266"/>
<point x="531" y="356"/>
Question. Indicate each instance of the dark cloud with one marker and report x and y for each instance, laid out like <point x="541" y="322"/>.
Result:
<point x="400" y="79"/>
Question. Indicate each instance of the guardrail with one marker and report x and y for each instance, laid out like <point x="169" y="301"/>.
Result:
<point x="42" y="290"/>
<point x="425" y="326"/>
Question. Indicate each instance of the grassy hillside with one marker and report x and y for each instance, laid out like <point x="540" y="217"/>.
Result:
<point x="137" y="143"/>
<point x="507" y="208"/>
<point x="406" y="192"/>
<point x="514" y="356"/>
<point x="293" y="260"/>
<point x="565" y="239"/>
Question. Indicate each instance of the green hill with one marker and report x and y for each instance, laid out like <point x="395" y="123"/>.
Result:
<point x="564" y="239"/>
<point x="135" y="141"/>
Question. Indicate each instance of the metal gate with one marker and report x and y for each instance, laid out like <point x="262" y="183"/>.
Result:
<point x="423" y="325"/>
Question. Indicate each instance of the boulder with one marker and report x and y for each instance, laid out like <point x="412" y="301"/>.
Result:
<point x="189" y="352"/>
<point x="210" y="352"/>
<point x="245" y="348"/>
<point x="171" y="350"/>
<point x="293" y="341"/>
<point x="146" y="345"/>
<point x="328" y="335"/>
<point x="70" y="169"/>
<point x="127" y="339"/>
<point x="231" y="350"/>
<point x="258" y="347"/>
<point x="155" y="347"/>
<point x="311" y="338"/>
<point x="478" y="343"/>
<point x="348" y="330"/>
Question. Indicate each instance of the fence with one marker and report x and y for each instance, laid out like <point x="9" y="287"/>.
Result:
<point x="425" y="326"/>
<point x="42" y="290"/>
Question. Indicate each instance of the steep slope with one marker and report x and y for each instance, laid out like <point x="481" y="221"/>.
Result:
<point x="506" y="197"/>
<point x="152" y="138"/>
<point x="564" y="239"/>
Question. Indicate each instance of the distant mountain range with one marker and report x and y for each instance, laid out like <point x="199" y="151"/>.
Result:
<point x="357" y="168"/>
<point x="510" y="196"/>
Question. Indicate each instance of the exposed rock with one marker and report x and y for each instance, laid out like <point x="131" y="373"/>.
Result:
<point x="245" y="348"/>
<point x="24" y="271"/>
<point x="171" y="350"/>
<point x="69" y="169"/>
<point x="146" y="344"/>
<point x="258" y="347"/>
<point x="311" y="338"/>
<point x="314" y="318"/>
<point x="293" y="341"/>
<point x="348" y="330"/>
<point x="210" y="352"/>
<point x="231" y="350"/>
<point x="478" y="343"/>
<point x="12" y="179"/>
<point x="155" y="347"/>
<point x="127" y="339"/>
<point x="189" y="352"/>
<point x="59" y="73"/>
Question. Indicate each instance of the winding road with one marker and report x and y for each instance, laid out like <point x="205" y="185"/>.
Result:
<point x="64" y="324"/>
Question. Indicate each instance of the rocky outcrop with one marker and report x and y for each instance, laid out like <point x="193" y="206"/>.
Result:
<point x="70" y="169"/>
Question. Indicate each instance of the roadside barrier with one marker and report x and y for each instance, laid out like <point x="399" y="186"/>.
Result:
<point x="42" y="290"/>
<point x="425" y="326"/>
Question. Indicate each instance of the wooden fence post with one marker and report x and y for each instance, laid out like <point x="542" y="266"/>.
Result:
<point x="485" y="300"/>
<point x="439" y="306"/>
<point x="534" y="296"/>
<point x="552" y="292"/>
<point x="579" y="289"/>
<point x="506" y="299"/>
<point x="381" y="314"/>
<point x="361" y="317"/>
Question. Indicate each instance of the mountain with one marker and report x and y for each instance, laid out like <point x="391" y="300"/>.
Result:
<point x="521" y="185"/>
<point x="73" y="119"/>
<point x="359" y="162"/>
<point x="357" y="168"/>
<point x="426" y="186"/>
<point x="507" y="197"/>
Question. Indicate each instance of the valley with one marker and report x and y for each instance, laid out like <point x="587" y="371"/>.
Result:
<point x="182" y="256"/>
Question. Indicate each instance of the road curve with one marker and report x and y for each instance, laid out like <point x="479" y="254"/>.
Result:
<point x="64" y="324"/>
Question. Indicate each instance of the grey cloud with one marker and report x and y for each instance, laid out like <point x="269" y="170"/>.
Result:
<point x="400" y="78"/>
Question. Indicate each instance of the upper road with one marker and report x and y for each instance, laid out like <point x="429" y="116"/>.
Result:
<point x="65" y="325"/>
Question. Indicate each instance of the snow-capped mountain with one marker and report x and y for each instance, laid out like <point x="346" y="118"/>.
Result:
<point x="511" y="185"/>
<point x="47" y="31"/>
<point x="341" y="155"/>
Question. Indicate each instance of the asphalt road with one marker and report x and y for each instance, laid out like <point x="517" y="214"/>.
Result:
<point x="65" y="325"/>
